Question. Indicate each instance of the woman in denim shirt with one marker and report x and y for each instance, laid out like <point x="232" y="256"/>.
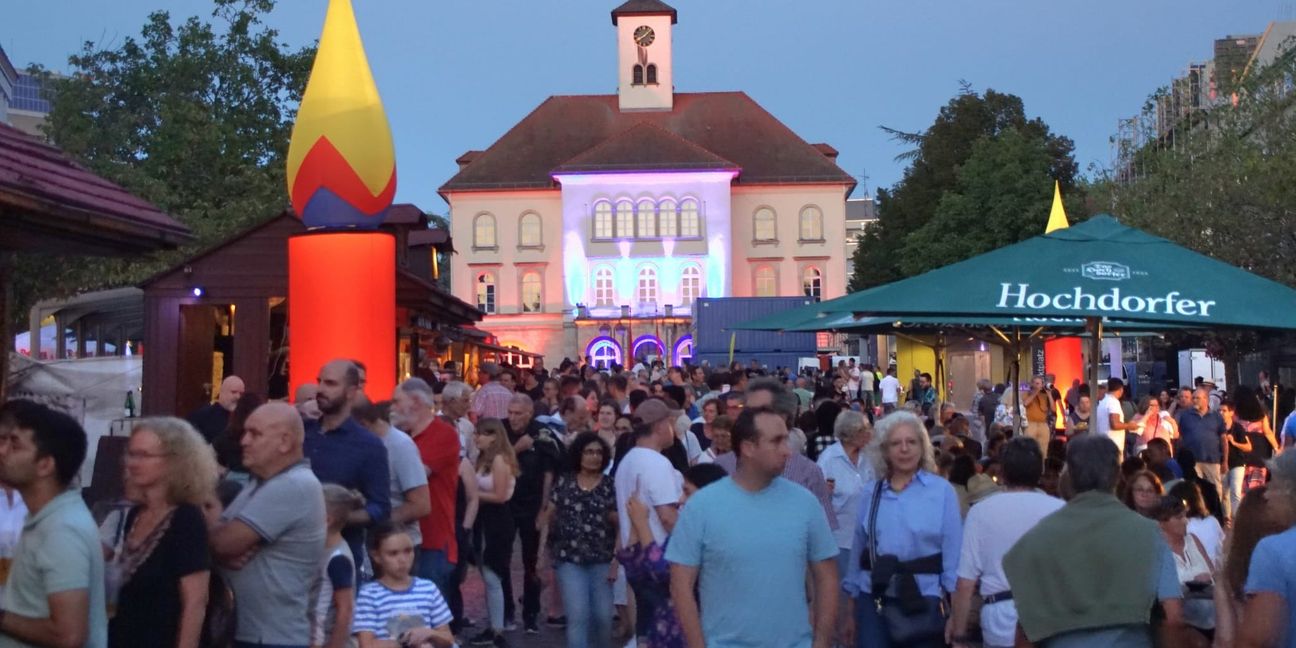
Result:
<point x="918" y="517"/>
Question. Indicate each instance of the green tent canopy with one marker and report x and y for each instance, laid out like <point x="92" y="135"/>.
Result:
<point x="1096" y="269"/>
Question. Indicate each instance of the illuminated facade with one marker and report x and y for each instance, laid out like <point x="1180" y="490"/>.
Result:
<point x="591" y="226"/>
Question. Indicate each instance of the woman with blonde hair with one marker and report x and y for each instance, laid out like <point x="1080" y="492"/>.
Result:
<point x="164" y="567"/>
<point x="497" y="473"/>
<point x="907" y="541"/>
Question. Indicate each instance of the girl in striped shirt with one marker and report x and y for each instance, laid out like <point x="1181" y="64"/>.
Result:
<point x="398" y="610"/>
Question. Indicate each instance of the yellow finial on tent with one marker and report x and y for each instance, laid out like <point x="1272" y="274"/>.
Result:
<point x="1057" y="215"/>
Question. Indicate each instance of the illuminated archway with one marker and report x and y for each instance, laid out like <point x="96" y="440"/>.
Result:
<point x="648" y="344"/>
<point x="604" y="351"/>
<point x="683" y="350"/>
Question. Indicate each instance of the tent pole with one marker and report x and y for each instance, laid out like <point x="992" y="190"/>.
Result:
<point x="1095" y="353"/>
<point x="1016" y="380"/>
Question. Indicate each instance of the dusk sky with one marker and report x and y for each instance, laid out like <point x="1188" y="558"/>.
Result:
<point x="455" y="75"/>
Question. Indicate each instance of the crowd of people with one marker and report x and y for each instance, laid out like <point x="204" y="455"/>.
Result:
<point x="661" y="506"/>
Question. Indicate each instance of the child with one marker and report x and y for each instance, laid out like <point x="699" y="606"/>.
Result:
<point x="398" y="610"/>
<point x="331" y="620"/>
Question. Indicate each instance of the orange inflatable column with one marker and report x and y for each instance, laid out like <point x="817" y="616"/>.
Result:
<point x="342" y="304"/>
<point x="1063" y="359"/>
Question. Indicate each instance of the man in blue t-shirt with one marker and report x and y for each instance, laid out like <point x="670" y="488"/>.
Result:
<point x="750" y="539"/>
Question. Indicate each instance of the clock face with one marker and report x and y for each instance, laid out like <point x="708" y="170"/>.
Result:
<point x="643" y="36"/>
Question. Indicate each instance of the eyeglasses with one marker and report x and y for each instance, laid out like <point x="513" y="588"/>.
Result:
<point x="592" y="452"/>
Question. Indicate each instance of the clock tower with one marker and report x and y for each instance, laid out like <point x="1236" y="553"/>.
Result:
<point x="644" y="74"/>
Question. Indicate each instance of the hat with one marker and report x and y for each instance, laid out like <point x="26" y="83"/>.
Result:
<point x="651" y="411"/>
<point x="980" y="487"/>
<point x="1208" y="383"/>
<point x="490" y="368"/>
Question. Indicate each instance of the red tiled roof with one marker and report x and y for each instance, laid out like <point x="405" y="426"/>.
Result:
<point x="728" y="125"/>
<point x="645" y="8"/>
<point x="40" y="182"/>
<point x="645" y="146"/>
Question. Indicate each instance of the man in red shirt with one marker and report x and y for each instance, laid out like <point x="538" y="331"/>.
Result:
<point x="438" y="445"/>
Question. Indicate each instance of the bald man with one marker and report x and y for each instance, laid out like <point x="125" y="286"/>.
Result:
<point x="212" y="419"/>
<point x="270" y="540"/>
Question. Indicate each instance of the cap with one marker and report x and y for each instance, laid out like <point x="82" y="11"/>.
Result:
<point x="651" y="411"/>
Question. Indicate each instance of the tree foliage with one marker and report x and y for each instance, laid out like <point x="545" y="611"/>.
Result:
<point x="193" y="116"/>
<point x="981" y="176"/>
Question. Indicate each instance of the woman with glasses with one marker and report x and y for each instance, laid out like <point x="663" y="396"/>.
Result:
<point x="581" y="516"/>
<point x="1194" y="566"/>
<point x="1143" y="493"/>
<point x="161" y="574"/>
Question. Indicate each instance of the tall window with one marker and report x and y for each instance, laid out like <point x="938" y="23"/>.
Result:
<point x="604" y="292"/>
<point x="652" y="73"/>
<point x="812" y="283"/>
<point x="766" y="282"/>
<point x="603" y="220"/>
<point x="690" y="284"/>
<point x="624" y="219"/>
<point x="531" y="292"/>
<point x="690" y="223"/>
<point x="484" y="231"/>
<point x="529" y="234"/>
<point x="763" y="225"/>
<point x="646" y="214"/>
<point x="668" y="219"/>
<point x="486" y="293"/>
<point x="636" y="75"/>
<point x="812" y="224"/>
<point x="648" y="285"/>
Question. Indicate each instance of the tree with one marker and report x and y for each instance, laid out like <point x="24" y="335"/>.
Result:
<point x="961" y="129"/>
<point x="194" y="117"/>
<point x="1219" y="182"/>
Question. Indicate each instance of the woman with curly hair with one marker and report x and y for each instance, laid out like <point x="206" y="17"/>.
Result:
<point x="164" y="566"/>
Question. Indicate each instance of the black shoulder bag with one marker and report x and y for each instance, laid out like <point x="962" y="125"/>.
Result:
<point x="910" y="617"/>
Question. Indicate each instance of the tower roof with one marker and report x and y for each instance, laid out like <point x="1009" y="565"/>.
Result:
<point x="645" y="8"/>
<point x="642" y="147"/>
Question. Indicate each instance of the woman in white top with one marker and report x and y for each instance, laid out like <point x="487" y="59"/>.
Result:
<point x="1195" y="569"/>
<point x="1201" y="524"/>
<point x="497" y="471"/>
<point x="847" y="471"/>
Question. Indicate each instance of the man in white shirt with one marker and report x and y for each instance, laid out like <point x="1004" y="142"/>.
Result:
<point x="890" y="391"/>
<point x="992" y="527"/>
<point x="853" y="380"/>
<point x="866" y="385"/>
<point x="647" y="474"/>
<point x="1109" y="418"/>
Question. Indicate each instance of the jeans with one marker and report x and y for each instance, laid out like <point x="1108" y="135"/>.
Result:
<point x="587" y="598"/>
<point x="1236" y="480"/>
<point x="495" y="601"/>
<point x="454" y="597"/>
<point x="1210" y="473"/>
<point x="434" y="565"/>
<point x="526" y="529"/>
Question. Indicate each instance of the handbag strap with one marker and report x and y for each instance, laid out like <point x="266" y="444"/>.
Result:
<point x="872" y="525"/>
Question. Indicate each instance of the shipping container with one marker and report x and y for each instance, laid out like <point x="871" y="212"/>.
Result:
<point x="712" y="336"/>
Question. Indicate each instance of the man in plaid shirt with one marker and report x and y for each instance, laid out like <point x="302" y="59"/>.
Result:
<point x="492" y="398"/>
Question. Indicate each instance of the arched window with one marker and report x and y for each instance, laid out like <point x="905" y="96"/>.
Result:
<point x="605" y="351"/>
<point x="812" y="283"/>
<point x="690" y="223"/>
<point x="812" y="224"/>
<point x="648" y="345"/>
<point x="683" y="350"/>
<point x="667" y="219"/>
<point x="763" y="225"/>
<point x="646" y="215"/>
<point x="603" y="220"/>
<point x="484" y="231"/>
<point x="486" y="293"/>
<point x="648" y="285"/>
<point x="624" y="220"/>
<point x="690" y="284"/>
<point x="531" y="292"/>
<point x="637" y="75"/>
<point x="766" y="282"/>
<point x="529" y="233"/>
<point x="652" y="73"/>
<point x="604" y="290"/>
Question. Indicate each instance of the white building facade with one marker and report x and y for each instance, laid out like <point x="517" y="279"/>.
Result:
<point x="592" y="225"/>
